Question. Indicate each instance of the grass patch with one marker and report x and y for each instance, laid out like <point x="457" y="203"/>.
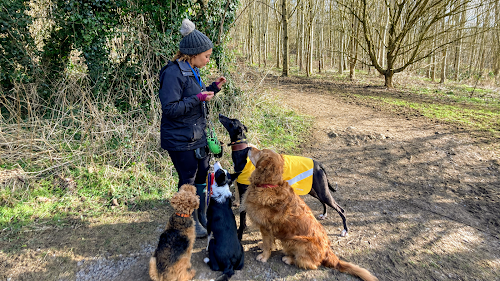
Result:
<point x="274" y="126"/>
<point x="474" y="109"/>
<point x="85" y="192"/>
<point x="463" y="94"/>
<point x="480" y="119"/>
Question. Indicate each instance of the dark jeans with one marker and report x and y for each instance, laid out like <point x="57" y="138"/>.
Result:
<point x="190" y="169"/>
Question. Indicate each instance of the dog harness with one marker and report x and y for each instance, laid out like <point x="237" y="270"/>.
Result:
<point x="297" y="171"/>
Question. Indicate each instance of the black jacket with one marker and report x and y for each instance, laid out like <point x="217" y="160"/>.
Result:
<point x="183" y="119"/>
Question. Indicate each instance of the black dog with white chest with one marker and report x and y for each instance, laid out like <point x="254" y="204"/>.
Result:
<point x="320" y="186"/>
<point x="225" y="252"/>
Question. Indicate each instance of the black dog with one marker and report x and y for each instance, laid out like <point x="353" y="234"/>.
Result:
<point x="239" y="146"/>
<point x="225" y="252"/>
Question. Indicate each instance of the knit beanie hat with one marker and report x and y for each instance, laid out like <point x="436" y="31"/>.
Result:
<point x="194" y="42"/>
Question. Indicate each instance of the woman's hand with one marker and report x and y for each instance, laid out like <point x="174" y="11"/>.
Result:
<point x="205" y="96"/>
<point x="220" y="81"/>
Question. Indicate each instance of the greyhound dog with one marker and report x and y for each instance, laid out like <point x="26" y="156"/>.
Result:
<point x="319" y="187"/>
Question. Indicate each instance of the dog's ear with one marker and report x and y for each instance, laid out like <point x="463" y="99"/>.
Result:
<point x="194" y="202"/>
<point x="254" y="155"/>
<point x="241" y="128"/>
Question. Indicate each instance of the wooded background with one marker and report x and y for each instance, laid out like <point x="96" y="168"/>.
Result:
<point x="44" y="40"/>
<point x="441" y="39"/>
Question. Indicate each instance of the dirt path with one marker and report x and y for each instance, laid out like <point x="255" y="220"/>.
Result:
<point x="422" y="202"/>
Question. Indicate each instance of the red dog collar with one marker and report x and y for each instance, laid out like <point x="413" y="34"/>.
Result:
<point x="182" y="215"/>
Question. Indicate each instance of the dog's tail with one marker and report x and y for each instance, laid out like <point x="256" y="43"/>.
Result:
<point x="332" y="261"/>
<point x="153" y="271"/>
<point x="330" y="186"/>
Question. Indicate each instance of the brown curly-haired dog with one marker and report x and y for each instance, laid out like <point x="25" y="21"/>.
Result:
<point x="172" y="259"/>
<point x="280" y="214"/>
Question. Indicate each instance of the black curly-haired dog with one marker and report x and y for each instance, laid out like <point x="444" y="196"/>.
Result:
<point x="225" y="252"/>
<point x="172" y="258"/>
<point x="239" y="146"/>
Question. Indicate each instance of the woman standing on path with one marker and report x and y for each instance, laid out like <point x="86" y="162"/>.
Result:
<point x="183" y="99"/>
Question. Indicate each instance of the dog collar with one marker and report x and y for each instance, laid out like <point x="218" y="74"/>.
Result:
<point x="236" y="142"/>
<point x="267" y="185"/>
<point x="239" y="146"/>
<point x="182" y="215"/>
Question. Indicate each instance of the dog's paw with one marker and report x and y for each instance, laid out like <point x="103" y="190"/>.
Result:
<point x="262" y="257"/>
<point x="191" y="274"/>
<point x="322" y="217"/>
<point x="287" y="259"/>
<point x="343" y="233"/>
<point x="206" y="260"/>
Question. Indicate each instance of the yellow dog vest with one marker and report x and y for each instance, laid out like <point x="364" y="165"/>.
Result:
<point x="297" y="171"/>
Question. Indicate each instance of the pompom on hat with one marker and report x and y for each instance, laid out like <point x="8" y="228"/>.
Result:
<point x="194" y="42"/>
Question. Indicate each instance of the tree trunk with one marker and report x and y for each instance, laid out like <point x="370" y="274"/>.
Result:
<point x="284" y="20"/>
<point x="443" y="66"/>
<point x="432" y="72"/>
<point x="308" y="50"/>
<point x="299" y="37"/>
<point x="429" y="67"/>
<point x="278" y="42"/>
<point x="250" y="38"/>
<point x="341" y="40"/>
<point x="458" y="48"/>
<point x="472" y="48"/>
<point x="496" y="68"/>
<point x="266" y="30"/>
<point x="311" y="46"/>
<point x="383" y="42"/>
<point x="331" y="34"/>
<point x="320" y="49"/>
<point x="443" y="58"/>
<point x="302" y="38"/>
<point x="433" y="68"/>
<point x="354" y="49"/>
<point x="485" y="26"/>
<point x="259" y="38"/>
<point x="388" y="79"/>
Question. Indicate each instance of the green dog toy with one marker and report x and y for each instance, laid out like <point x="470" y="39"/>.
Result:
<point x="213" y="143"/>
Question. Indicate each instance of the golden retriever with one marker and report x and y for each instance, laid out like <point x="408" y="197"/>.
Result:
<point x="280" y="214"/>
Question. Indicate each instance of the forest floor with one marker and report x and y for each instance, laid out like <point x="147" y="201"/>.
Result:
<point x="422" y="200"/>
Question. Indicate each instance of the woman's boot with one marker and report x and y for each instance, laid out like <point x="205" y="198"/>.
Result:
<point x="201" y="232"/>
<point x="202" y="210"/>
